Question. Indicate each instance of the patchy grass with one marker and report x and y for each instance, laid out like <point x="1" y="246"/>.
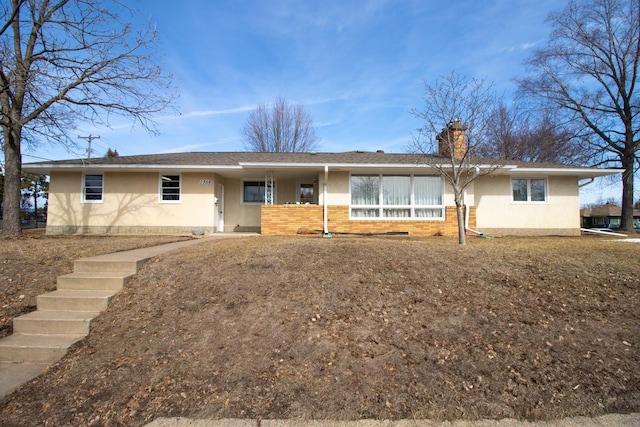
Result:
<point x="29" y="265"/>
<point x="351" y="328"/>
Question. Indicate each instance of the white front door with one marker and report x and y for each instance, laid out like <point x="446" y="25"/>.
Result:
<point x="220" y="207"/>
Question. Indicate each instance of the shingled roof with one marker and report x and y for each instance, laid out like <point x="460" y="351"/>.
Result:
<point x="239" y="160"/>
<point x="606" y="210"/>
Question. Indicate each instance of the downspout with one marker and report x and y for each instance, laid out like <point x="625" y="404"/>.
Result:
<point x="466" y="214"/>
<point x="325" y="217"/>
<point x="586" y="183"/>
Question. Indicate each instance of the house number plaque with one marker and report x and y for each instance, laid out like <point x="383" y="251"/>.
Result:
<point x="205" y="182"/>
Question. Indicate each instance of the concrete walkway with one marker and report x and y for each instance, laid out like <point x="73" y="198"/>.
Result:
<point x="24" y="356"/>
<point x="612" y="420"/>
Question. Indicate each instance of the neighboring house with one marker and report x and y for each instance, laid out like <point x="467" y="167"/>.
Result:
<point x="352" y="192"/>
<point x="606" y="216"/>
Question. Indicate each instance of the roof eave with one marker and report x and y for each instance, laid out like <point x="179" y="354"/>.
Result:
<point x="579" y="172"/>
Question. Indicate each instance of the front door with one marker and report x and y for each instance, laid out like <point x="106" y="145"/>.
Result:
<point x="220" y="207"/>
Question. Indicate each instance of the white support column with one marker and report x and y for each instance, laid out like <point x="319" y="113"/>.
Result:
<point x="269" y="188"/>
<point x="324" y="203"/>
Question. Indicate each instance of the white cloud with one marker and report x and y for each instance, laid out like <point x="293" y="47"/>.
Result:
<point x="528" y="45"/>
<point x="208" y="113"/>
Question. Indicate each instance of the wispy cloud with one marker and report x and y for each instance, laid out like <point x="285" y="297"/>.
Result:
<point x="209" y="113"/>
<point x="528" y="45"/>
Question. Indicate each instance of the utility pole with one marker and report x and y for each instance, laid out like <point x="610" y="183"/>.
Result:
<point x="89" y="139"/>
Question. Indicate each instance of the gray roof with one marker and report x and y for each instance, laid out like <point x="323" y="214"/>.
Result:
<point x="606" y="210"/>
<point x="241" y="160"/>
<point x="236" y="158"/>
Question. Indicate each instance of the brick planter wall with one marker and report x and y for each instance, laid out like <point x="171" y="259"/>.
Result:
<point x="293" y="219"/>
<point x="290" y="219"/>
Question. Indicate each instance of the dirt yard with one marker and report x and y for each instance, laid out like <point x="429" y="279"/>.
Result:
<point x="350" y="328"/>
<point x="29" y="265"/>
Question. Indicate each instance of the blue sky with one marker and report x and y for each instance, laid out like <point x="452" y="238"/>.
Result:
<point x="357" y="66"/>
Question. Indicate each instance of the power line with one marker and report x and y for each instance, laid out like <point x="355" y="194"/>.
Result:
<point x="89" y="139"/>
<point x="37" y="157"/>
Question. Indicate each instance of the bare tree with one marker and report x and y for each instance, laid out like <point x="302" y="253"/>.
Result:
<point x="463" y="107"/>
<point x="66" y="61"/>
<point x="280" y="128"/>
<point x="518" y="133"/>
<point x="587" y="73"/>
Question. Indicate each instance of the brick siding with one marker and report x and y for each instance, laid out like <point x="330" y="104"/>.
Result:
<point x="294" y="219"/>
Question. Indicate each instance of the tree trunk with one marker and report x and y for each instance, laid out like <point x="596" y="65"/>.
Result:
<point x="462" y="232"/>
<point x="35" y="202"/>
<point x="626" y="221"/>
<point x="12" y="188"/>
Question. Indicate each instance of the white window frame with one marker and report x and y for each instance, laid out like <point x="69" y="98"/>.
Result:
<point x="411" y="206"/>
<point x="161" y="188"/>
<point x="84" y="187"/>
<point x="529" y="201"/>
<point x="263" y="181"/>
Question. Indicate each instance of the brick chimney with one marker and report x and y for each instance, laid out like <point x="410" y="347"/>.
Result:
<point x="453" y="136"/>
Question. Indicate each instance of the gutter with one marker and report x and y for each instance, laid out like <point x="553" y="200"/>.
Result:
<point x="586" y="183"/>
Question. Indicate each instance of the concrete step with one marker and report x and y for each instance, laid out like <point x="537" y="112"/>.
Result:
<point x="27" y="348"/>
<point x="54" y="322"/>
<point x="108" y="265"/>
<point x="75" y="300"/>
<point x="93" y="281"/>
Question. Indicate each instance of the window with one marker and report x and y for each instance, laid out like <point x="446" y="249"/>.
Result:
<point x="529" y="190"/>
<point x="169" y="188"/>
<point x="396" y="196"/>
<point x="307" y="193"/>
<point x="253" y="191"/>
<point x="92" y="189"/>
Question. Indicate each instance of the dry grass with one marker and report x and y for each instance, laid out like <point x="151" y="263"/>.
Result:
<point x="350" y="328"/>
<point x="29" y="265"/>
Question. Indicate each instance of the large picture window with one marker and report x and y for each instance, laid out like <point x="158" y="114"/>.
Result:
<point x="529" y="190"/>
<point x="396" y="196"/>
<point x="169" y="188"/>
<point x="92" y="188"/>
<point x="255" y="191"/>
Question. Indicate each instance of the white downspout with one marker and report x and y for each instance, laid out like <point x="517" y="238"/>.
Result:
<point x="584" y="184"/>
<point x="466" y="215"/>
<point x="325" y="218"/>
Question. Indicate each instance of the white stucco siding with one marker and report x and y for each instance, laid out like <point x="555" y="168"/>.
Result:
<point x="285" y="190"/>
<point x="337" y="189"/>
<point x="131" y="200"/>
<point x="238" y="214"/>
<point x="496" y="209"/>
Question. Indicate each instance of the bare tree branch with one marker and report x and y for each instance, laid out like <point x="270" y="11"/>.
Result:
<point x="463" y="107"/>
<point x="66" y="61"/>
<point x="280" y="128"/>
<point x="587" y="74"/>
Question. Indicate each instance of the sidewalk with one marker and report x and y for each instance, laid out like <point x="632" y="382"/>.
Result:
<point x="611" y="420"/>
